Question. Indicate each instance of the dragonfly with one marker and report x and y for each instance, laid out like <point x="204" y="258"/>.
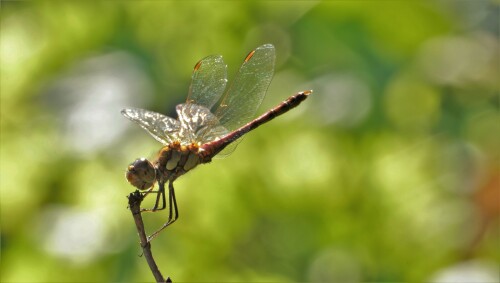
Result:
<point x="210" y="123"/>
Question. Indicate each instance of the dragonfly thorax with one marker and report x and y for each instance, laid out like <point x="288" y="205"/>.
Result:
<point x="176" y="159"/>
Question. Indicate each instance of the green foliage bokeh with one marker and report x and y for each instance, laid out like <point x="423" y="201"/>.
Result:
<point x="388" y="172"/>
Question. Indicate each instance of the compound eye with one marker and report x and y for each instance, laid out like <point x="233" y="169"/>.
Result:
<point x="141" y="174"/>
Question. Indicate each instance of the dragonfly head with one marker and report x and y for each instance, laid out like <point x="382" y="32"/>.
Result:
<point x="141" y="174"/>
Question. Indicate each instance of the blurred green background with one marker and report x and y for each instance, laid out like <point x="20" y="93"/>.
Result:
<point x="388" y="172"/>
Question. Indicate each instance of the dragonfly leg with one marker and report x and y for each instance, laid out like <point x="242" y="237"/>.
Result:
<point x="173" y="215"/>
<point x="160" y="193"/>
<point x="163" y="200"/>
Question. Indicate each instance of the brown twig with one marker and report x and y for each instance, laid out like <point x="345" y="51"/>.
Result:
<point x="134" y="203"/>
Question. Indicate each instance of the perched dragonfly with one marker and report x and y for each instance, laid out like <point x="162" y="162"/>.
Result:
<point x="210" y="123"/>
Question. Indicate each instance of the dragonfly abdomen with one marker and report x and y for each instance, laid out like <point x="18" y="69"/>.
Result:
<point x="210" y="149"/>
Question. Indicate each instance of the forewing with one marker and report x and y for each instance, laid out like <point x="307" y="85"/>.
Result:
<point x="198" y="124"/>
<point x="164" y="129"/>
<point x="208" y="81"/>
<point x="246" y="92"/>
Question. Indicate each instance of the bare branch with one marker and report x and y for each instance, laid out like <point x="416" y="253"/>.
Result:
<point x="134" y="203"/>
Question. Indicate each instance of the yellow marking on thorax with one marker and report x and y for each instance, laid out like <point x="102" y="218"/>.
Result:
<point x="173" y="160"/>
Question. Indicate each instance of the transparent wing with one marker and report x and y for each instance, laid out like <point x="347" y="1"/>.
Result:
<point x="228" y="150"/>
<point x="164" y="129"/>
<point x="208" y="81"/>
<point x="198" y="124"/>
<point x="246" y="92"/>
